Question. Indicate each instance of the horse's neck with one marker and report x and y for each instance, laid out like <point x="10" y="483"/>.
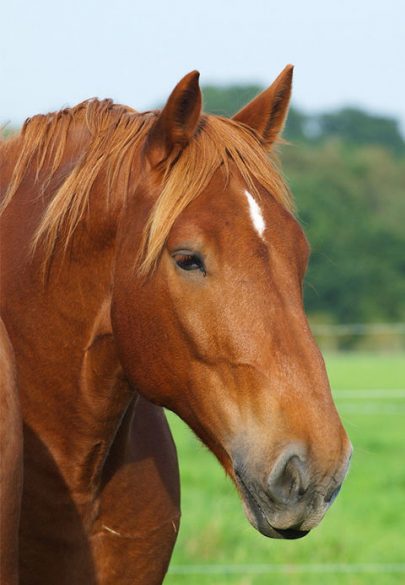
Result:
<point x="73" y="391"/>
<point x="103" y="396"/>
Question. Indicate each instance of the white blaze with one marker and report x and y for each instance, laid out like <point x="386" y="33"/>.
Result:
<point x="255" y="214"/>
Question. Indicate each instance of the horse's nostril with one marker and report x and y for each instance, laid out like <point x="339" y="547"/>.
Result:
<point x="332" y="496"/>
<point x="287" y="482"/>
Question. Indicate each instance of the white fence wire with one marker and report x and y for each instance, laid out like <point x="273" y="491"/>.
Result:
<point x="382" y="337"/>
<point x="267" y="569"/>
<point x="369" y="402"/>
<point x="358" y="329"/>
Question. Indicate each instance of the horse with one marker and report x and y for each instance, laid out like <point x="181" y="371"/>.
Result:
<point x="154" y="260"/>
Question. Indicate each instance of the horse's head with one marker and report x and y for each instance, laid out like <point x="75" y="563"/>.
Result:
<point x="208" y="311"/>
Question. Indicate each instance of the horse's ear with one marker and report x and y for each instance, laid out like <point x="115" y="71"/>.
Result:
<point x="267" y="112"/>
<point x="178" y="121"/>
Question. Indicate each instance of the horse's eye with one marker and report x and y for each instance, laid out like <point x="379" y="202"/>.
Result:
<point x="190" y="262"/>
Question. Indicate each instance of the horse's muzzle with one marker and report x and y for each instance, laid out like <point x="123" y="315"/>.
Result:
<point x="292" y="499"/>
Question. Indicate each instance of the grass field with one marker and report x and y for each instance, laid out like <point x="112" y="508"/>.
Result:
<point x="361" y="541"/>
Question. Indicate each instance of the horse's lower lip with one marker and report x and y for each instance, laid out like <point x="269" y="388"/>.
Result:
<point x="290" y="533"/>
<point x="264" y="526"/>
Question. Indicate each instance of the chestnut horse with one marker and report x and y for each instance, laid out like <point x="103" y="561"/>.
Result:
<point x="153" y="260"/>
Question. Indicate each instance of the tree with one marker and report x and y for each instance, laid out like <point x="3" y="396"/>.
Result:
<point x="227" y="100"/>
<point x="352" y="207"/>
<point x="358" y="127"/>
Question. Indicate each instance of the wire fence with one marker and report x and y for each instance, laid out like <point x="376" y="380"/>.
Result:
<point x="296" y="568"/>
<point x="369" y="402"/>
<point x="359" y="329"/>
<point x="360" y="336"/>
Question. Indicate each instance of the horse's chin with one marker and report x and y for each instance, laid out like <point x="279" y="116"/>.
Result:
<point x="268" y="530"/>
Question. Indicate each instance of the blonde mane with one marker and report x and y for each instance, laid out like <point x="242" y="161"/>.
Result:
<point x="116" y="136"/>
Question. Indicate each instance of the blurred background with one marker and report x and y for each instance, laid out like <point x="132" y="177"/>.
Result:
<point x="345" y="162"/>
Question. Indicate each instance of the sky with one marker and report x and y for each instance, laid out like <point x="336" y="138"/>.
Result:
<point x="55" y="54"/>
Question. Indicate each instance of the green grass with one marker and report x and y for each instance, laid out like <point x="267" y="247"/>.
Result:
<point x="365" y="525"/>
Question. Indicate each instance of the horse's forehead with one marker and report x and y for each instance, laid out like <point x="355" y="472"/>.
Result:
<point x="229" y="205"/>
<point x="219" y="210"/>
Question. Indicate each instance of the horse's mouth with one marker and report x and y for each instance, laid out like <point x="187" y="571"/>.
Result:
<point x="258" y="518"/>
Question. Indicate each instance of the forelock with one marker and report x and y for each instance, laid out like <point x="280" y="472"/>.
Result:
<point x="218" y="142"/>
